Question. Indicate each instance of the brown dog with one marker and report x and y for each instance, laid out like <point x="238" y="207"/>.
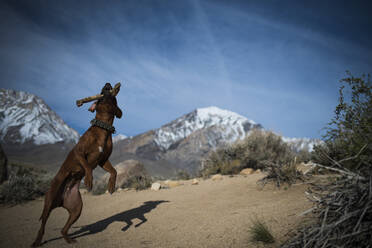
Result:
<point x="94" y="148"/>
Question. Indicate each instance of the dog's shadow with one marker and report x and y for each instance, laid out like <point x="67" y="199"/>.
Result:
<point x="126" y="217"/>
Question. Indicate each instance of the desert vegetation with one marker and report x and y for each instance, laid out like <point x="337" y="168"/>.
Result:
<point x="343" y="214"/>
<point x="260" y="232"/>
<point x="260" y="150"/>
<point x="131" y="175"/>
<point x="24" y="184"/>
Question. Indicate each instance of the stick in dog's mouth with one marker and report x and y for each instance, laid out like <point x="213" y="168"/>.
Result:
<point x="114" y="92"/>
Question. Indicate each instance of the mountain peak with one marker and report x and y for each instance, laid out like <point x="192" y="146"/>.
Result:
<point x="213" y="112"/>
<point x="119" y="137"/>
<point x="234" y="125"/>
<point x="25" y="117"/>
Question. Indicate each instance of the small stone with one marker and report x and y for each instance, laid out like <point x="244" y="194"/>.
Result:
<point x="155" y="186"/>
<point x="246" y="171"/>
<point x="194" y="181"/>
<point x="217" y="177"/>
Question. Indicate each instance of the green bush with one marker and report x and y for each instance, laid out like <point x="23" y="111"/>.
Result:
<point x="350" y="131"/>
<point x="342" y="212"/>
<point x="259" y="146"/>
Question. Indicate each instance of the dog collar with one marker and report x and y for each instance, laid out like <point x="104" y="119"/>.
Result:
<point x="104" y="125"/>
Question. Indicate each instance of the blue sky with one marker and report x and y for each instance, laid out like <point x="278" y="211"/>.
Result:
<point x="275" y="62"/>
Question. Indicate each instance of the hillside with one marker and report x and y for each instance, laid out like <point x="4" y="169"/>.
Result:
<point x="31" y="132"/>
<point x="182" y="143"/>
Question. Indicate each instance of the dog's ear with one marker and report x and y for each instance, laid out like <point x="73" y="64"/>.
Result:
<point x="118" y="112"/>
<point x="93" y="107"/>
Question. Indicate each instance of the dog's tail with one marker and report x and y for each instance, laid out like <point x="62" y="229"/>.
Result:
<point x="56" y="188"/>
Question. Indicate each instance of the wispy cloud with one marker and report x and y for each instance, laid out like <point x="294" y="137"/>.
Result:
<point x="173" y="58"/>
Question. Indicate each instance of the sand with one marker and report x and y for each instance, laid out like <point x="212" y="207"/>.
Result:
<point x="211" y="214"/>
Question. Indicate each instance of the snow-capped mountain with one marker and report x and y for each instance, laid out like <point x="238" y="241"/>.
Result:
<point x="298" y="144"/>
<point x="118" y="138"/>
<point x="232" y="125"/>
<point x="25" y="118"/>
<point x="182" y="143"/>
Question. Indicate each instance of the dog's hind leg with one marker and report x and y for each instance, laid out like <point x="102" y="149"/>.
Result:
<point x="73" y="203"/>
<point x="51" y="201"/>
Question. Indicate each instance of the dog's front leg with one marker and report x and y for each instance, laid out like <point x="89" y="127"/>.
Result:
<point x="107" y="166"/>
<point x="88" y="180"/>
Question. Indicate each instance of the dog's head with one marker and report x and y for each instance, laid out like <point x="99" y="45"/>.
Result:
<point x="108" y="103"/>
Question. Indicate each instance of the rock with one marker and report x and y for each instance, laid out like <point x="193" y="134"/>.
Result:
<point x="155" y="186"/>
<point x="217" y="177"/>
<point x="194" y="181"/>
<point x="257" y="171"/>
<point x="126" y="171"/>
<point x="3" y="166"/>
<point x="247" y="171"/>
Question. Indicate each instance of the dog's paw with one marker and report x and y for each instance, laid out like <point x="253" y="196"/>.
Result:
<point x="111" y="189"/>
<point x="111" y="186"/>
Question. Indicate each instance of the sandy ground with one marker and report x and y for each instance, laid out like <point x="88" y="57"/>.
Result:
<point x="210" y="214"/>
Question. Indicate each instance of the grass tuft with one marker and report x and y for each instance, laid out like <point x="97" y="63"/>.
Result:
<point x="259" y="231"/>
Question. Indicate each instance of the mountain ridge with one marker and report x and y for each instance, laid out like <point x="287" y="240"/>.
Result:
<point x="25" y="117"/>
<point x="178" y="145"/>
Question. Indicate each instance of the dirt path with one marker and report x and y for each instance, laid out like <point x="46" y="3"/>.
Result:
<point x="211" y="214"/>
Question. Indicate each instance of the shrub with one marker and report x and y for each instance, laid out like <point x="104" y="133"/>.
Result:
<point x="281" y="174"/>
<point x="259" y="146"/>
<point x="303" y="156"/>
<point x="350" y="131"/>
<point x="137" y="182"/>
<point x="183" y="175"/>
<point x="259" y="231"/>
<point x="343" y="206"/>
<point x="99" y="188"/>
<point x="24" y="184"/>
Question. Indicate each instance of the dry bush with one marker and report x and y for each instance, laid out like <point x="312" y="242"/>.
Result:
<point x="281" y="174"/>
<point x="137" y="182"/>
<point x="182" y="175"/>
<point x="259" y="146"/>
<point x="343" y="215"/>
<point x="24" y="184"/>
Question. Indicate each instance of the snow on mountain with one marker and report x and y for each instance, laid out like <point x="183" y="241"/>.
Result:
<point x="298" y="144"/>
<point x="234" y="126"/>
<point x="118" y="137"/>
<point x="25" y="117"/>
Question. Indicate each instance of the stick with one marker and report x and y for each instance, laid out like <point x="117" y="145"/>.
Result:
<point x="114" y="92"/>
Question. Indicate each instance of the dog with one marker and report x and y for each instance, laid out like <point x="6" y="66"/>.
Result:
<point x="94" y="148"/>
